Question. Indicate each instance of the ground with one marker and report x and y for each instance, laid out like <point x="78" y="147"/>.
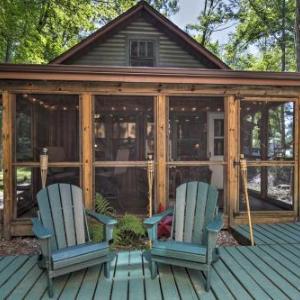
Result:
<point x="30" y="246"/>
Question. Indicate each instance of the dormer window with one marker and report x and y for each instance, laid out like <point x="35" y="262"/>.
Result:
<point x="141" y="52"/>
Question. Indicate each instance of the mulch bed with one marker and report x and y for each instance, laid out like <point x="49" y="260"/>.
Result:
<point x="30" y="246"/>
<point x="19" y="246"/>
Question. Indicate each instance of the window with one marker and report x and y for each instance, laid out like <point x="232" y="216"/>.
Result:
<point x="141" y="53"/>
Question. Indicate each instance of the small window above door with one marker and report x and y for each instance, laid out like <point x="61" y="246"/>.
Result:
<point x="142" y="52"/>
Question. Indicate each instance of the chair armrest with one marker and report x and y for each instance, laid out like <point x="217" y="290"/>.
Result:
<point x="39" y="230"/>
<point x="216" y="225"/>
<point x="106" y="220"/>
<point x="213" y="228"/>
<point x="149" y="222"/>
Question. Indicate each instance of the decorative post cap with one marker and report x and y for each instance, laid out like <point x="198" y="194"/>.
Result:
<point x="44" y="151"/>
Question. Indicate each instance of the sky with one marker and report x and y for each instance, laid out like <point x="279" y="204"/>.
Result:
<point x="189" y="10"/>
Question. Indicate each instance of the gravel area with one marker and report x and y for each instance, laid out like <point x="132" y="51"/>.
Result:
<point x="225" y="238"/>
<point x="19" y="246"/>
<point x="30" y="246"/>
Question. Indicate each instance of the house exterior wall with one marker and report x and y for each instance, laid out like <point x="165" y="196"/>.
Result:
<point x="114" y="50"/>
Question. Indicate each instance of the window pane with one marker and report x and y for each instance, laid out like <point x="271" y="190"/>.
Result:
<point x="269" y="188"/>
<point x="142" y="49"/>
<point x="50" y="121"/>
<point x="219" y="127"/>
<point x="125" y="188"/>
<point x="219" y="147"/>
<point x="28" y="183"/>
<point x="150" y="49"/>
<point x="134" y="49"/>
<point x="195" y="123"/>
<point x="267" y="130"/>
<point x="124" y="128"/>
<point x="210" y="174"/>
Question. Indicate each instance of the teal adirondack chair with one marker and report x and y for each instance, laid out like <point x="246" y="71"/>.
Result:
<point x="61" y="228"/>
<point x="196" y="223"/>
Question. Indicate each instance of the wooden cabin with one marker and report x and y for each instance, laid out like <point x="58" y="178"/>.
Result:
<point x="141" y="87"/>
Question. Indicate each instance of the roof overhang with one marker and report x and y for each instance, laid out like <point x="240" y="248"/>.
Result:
<point x="147" y="75"/>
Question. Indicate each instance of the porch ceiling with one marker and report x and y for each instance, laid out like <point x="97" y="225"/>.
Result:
<point x="148" y="75"/>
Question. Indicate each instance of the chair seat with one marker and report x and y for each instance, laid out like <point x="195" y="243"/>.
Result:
<point x="78" y="254"/>
<point x="179" y="250"/>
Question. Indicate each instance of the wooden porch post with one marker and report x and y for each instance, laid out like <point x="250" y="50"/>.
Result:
<point x="231" y="155"/>
<point x="7" y="139"/>
<point x="87" y="149"/>
<point x="162" y="147"/>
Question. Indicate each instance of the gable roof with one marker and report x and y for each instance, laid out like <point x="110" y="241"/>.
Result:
<point x="158" y="20"/>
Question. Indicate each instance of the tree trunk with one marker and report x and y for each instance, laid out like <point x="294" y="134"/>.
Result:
<point x="297" y="34"/>
<point x="283" y="39"/>
<point x="8" y="51"/>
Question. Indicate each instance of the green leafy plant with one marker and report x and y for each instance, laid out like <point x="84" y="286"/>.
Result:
<point x="102" y="206"/>
<point x="129" y="232"/>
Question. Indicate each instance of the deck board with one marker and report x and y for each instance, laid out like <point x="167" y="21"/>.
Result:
<point x="260" y="272"/>
<point x="270" y="234"/>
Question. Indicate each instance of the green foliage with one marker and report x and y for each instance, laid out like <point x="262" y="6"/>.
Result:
<point x="262" y="33"/>
<point x="96" y="231"/>
<point x="129" y="232"/>
<point x="102" y="206"/>
<point x="36" y="31"/>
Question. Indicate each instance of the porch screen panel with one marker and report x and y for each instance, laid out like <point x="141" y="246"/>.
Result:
<point x="267" y="130"/>
<point x="28" y="183"/>
<point x="195" y="124"/>
<point x="196" y="142"/>
<point x="179" y="175"/>
<point x="123" y="141"/>
<point x="126" y="188"/>
<point x="267" y="133"/>
<point x="124" y="128"/>
<point x="50" y="121"/>
<point x="269" y="188"/>
<point x="44" y="121"/>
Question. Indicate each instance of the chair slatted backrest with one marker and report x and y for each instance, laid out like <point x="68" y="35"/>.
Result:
<point x="195" y="207"/>
<point x="61" y="210"/>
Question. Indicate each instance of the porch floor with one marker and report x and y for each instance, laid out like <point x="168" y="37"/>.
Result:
<point x="270" y="234"/>
<point x="260" y="272"/>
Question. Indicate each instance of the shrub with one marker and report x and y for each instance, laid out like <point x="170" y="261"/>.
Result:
<point x="102" y="206"/>
<point x="129" y="232"/>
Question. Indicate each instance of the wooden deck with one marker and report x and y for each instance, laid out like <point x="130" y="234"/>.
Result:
<point x="260" y="272"/>
<point x="271" y="234"/>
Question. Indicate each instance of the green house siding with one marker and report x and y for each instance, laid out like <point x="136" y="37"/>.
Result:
<point x="114" y="50"/>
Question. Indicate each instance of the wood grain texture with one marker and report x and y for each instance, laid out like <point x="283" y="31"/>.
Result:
<point x="161" y="150"/>
<point x="8" y="102"/>
<point x="87" y="148"/>
<point x="262" y="272"/>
